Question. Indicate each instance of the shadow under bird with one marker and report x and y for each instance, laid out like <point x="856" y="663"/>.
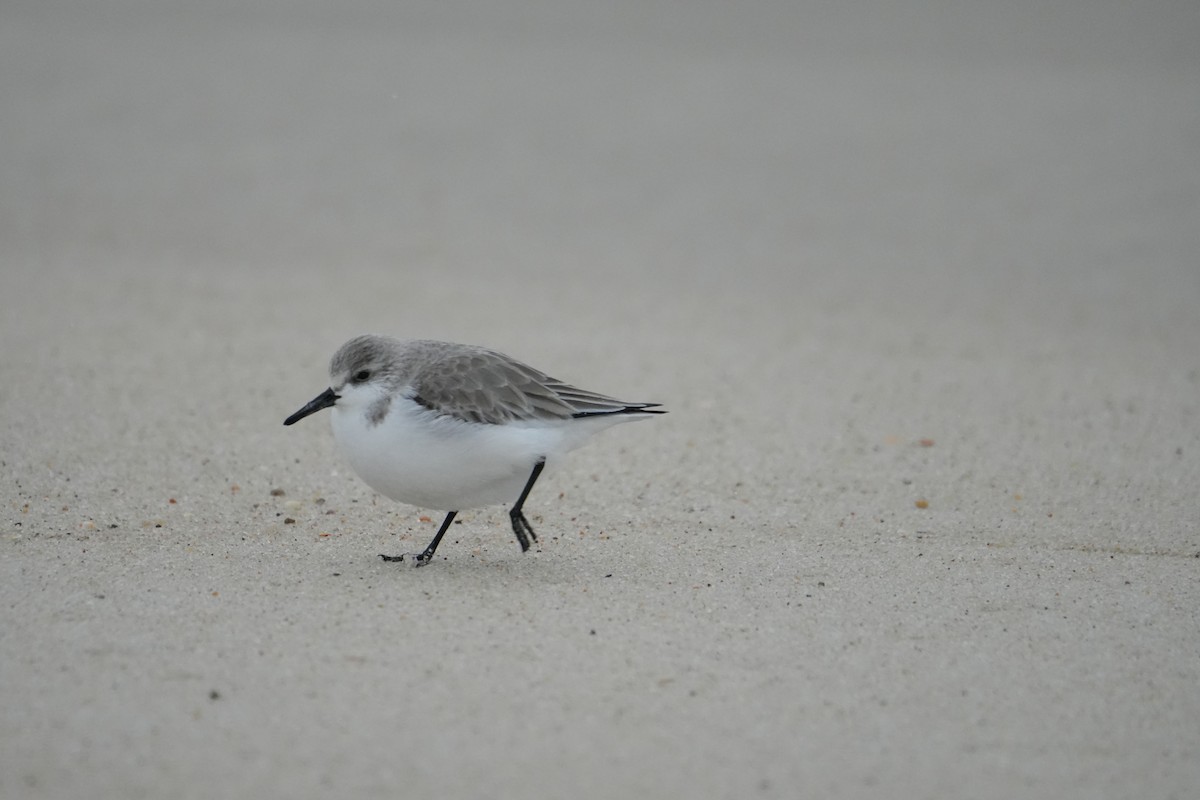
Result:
<point x="453" y="426"/>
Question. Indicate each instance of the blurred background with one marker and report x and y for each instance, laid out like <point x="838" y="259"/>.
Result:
<point x="917" y="281"/>
<point x="653" y="165"/>
<point x="934" y="208"/>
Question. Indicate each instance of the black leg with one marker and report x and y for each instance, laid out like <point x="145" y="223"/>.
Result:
<point x="425" y="557"/>
<point x="521" y="526"/>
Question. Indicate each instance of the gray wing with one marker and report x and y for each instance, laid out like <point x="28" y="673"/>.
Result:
<point x="479" y="385"/>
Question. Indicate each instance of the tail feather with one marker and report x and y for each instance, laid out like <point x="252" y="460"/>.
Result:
<point x="629" y="408"/>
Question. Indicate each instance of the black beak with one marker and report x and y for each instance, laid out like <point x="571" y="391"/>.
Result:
<point x="324" y="400"/>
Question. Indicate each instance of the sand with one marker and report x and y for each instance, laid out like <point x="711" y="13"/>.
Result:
<point x="918" y="284"/>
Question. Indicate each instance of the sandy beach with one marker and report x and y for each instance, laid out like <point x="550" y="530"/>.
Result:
<point x="918" y="285"/>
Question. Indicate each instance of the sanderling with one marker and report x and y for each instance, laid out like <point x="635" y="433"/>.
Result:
<point x="451" y="426"/>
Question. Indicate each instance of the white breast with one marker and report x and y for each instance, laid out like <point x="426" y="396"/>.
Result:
<point x="419" y="457"/>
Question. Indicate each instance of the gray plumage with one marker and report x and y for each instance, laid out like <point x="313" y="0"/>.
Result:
<point x="470" y="383"/>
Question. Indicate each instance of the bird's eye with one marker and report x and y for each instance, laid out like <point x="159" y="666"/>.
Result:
<point x="361" y="376"/>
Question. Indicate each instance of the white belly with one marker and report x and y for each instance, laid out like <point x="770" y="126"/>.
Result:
<point x="437" y="462"/>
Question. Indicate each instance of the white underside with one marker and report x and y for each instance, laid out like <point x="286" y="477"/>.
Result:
<point x="433" y="461"/>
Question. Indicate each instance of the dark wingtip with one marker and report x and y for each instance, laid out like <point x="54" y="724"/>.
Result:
<point x="632" y="408"/>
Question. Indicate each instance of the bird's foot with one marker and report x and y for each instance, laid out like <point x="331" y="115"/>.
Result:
<point x="522" y="529"/>
<point x="413" y="559"/>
